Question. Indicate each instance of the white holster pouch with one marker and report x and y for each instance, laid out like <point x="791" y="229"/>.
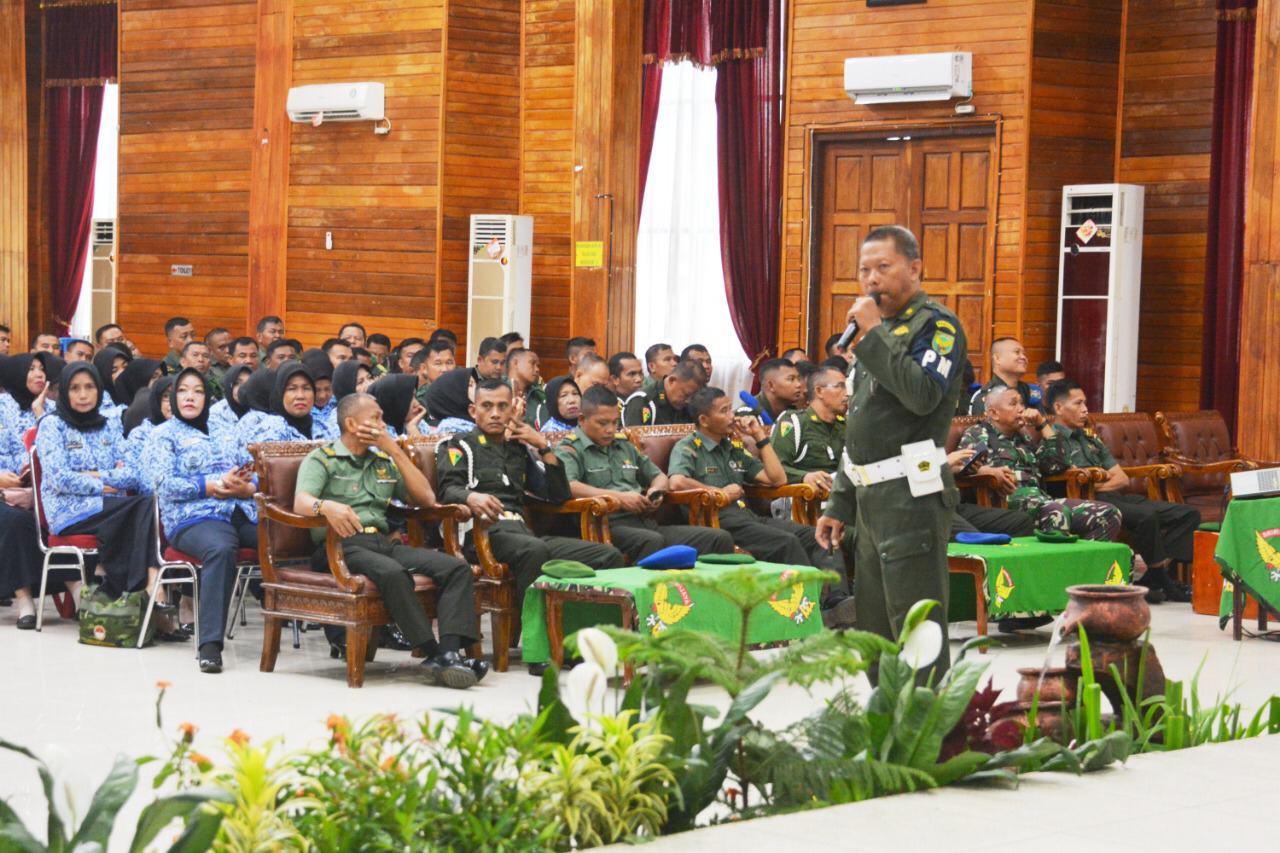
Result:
<point x="921" y="463"/>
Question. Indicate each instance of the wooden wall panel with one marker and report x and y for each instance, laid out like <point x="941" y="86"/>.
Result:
<point x="546" y="169"/>
<point x="821" y="35"/>
<point x="269" y="166"/>
<point x="186" y="125"/>
<point x="480" y="160"/>
<point x="1074" y="86"/>
<point x="13" y="170"/>
<point x="1166" y="118"/>
<point x="378" y="195"/>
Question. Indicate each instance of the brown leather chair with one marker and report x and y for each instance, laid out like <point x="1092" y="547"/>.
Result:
<point x="1134" y="442"/>
<point x="1199" y="443"/>
<point x="291" y="590"/>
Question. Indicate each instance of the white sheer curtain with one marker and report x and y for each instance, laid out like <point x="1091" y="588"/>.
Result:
<point x="680" y="295"/>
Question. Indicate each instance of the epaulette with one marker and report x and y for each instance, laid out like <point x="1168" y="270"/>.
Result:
<point x="840" y="418"/>
<point x="621" y="435"/>
<point x="376" y="452"/>
<point x="329" y="451"/>
<point x="573" y="436"/>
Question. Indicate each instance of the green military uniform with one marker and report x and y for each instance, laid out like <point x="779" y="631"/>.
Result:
<point x="651" y="385"/>
<point x="978" y="402"/>
<point x="904" y="386"/>
<point x="367" y="484"/>
<point x="536" y="412"/>
<point x="770" y="407"/>
<point x="473" y="462"/>
<point x="215" y="387"/>
<point x="1087" y="519"/>
<point x="1159" y="530"/>
<point x="718" y="464"/>
<point x="420" y="394"/>
<point x="172" y="363"/>
<point x="806" y="443"/>
<point x="653" y="409"/>
<point x="620" y="467"/>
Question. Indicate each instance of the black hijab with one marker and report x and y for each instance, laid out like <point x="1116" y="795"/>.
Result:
<point x="394" y="394"/>
<point x="13" y="375"/>
<point x="345" y="378"/>
<point x="229" y="388"/>
<point x="155" y="397"/>
<point x="255" y="393"/>
<point x="553" y="398"/>
<point x="284" y="374"/>
<point x="104" y="362"/>
<point x="448" y="398"/>
<point x="138" y="411"/>
<point x="136" y="376"/>
<point x="318" y="363"/>
<point x="200" y="421"/>
<point x="80" y="421"/>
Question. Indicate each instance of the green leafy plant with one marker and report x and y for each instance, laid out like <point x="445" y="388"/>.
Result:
<point x="264" y="793"/>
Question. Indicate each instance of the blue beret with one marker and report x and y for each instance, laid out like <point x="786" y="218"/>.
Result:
<point x="982" y="538"/>
<point x="672" y="557"/>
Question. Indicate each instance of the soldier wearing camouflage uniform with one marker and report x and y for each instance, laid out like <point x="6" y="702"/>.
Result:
<point x="1018" y="465"/>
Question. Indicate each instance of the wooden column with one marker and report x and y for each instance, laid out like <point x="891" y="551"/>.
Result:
<point x="1259" y="412"/>
<point x="269" y="167"/>
<point x="606" y="144"/>
<point x="13" y="170"/>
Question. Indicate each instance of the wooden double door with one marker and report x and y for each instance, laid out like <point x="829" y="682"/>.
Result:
<point x="940" y="186"/>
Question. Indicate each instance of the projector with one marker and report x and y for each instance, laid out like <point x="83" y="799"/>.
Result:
<point x="1255" y="484"/>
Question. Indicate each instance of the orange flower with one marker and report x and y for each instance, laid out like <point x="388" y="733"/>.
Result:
<point x="239" y="738"/>
<point x="340" y="738"/>
<point x="388" y="762"/>
<point x="163" y="685"/>
<point x="200" y="760"/>
<point x="335" y="722"/>
<point x="188" y="731"/>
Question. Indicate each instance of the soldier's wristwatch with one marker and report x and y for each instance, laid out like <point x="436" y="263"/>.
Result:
<point x="315" y="507"/>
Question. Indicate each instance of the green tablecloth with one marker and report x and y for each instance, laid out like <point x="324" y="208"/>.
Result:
<point x="1248" y="552"/>
<point x="792" y="615"/>
<point x="1030" y="576"/>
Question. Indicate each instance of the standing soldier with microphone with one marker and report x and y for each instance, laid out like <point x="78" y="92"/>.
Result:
<point x="893" y="483"/>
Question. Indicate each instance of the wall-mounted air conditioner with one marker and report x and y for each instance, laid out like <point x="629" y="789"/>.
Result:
<point x="913" y="77"/>
<point x="499" y="278"/>
<point x="336" y="102"/>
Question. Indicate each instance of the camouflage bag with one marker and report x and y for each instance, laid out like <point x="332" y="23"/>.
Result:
<point x="114" y="622"/>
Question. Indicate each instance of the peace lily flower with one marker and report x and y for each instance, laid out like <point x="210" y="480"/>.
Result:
<point x="922" y="646"/>
<point x="584" y="693"/>
<point x="598" y="648"/>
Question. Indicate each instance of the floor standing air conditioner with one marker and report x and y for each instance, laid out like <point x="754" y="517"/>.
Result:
<point x="499" y="278"/>
<point x="102" y="287"/>
<point x="1099" y="291"/>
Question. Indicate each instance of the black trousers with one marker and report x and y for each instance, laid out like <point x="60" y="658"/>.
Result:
<point x="215" y="544"/>
<point x="638" y="536"/>
<point x="514" y="544"/>
<point x="126" y="533"/>
<point x="389" y="565"/>
<point x="20" y="559"/>
<point x="1160" y="530"/>
<point x="774" y="540"/>
<point x="971" y="518"/>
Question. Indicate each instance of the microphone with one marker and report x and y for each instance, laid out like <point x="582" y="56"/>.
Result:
<point x="852" y="328"/>
<point x="749" y="398"/>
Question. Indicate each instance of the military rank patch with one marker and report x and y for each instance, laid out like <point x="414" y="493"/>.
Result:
<point x="901" y="330"/>
<point x="943" y="342"/>
<point x="483" y="440"/>
<point x="454" y="456"/>
<point x="945" y="326"/>
<point x="784" y="427"/>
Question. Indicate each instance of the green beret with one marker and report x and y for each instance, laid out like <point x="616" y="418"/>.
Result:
<point x="726" y="559"/>
<point x="566" y="569"/>
<point x="1056" y="538"/>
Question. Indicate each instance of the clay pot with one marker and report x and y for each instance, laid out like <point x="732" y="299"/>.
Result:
<point x="1008" y="733"/>
<point x="1126" y="657"/>
<point x="1059" y="685"/>
<point x="1107" y="612"/>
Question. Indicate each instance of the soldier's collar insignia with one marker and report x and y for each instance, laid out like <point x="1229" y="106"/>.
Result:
<point x="379" y="453"/>
<point x="573" y="436"/>
<point x="840" y="418"/>
<point x="483" y="440"/>
<point x="737" y="444"/>
<point x="329" y="451"/>
<point x="901" y="330"/>
<point x="697" y="442"/>
<point x="909" y="311"/>
<point x="662" y="396"/>
<point x="813" y="418"/>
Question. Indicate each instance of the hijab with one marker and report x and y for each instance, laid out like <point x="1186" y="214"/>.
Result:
<point x="200" y="421"/>
<point x="229" y="380"/>
<point x="345" y="377"/>
<point x="79" y="421"/>
<point x="255" y="393"/>
<point x="285" y="373"/>
<point x="155" y="397"/>
<point x="318" y="364"/>
<point x="553" y="398"/>
<point x="447" y="397"/>
<point x="394" y="394"/>
<point x="13" y="376"/>
<point x="138" y="411"/>
<point x="104" y="361"/>
<point x="135" y="376"/>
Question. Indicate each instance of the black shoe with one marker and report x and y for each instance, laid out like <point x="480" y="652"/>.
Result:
<point x="337" y="651"/>
<point x="1178" y="593"/>
<point x="27" y="623"/>
<point x="841" y="614"/>
<point x="189" y="627"/>
<point x="1015" y="624"/>
<point x="479" y="666"/>
<point x="211" y="658"/>
<point x="537" y="669"/>
<point x="1155" y="594"/>
<point x="393" y="638"/>
<point x="448" y="669"/>
<point x="164" y="607"/>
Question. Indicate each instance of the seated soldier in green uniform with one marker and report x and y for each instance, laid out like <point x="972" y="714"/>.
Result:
<point x="713" y="457"/>
<point x="598" y="460"/>
<point x="1162" y="532"/>
<point x="1017" y="465"/>
<point x="669" y="404"/>
<point x="350" y="482"/>
<point x="660" y="359"/>
<point x="489" y="470"/>
<point x="781" y="389"/>
<point x="524" y="375"/>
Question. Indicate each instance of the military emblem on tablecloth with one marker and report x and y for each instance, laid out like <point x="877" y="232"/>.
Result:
<point x="1115" y="575"/>
<point x="1268" y="552"/>
<point x="1004" y="586"/>
<point x="665" y="611"/>
<point x="796" y="606"/>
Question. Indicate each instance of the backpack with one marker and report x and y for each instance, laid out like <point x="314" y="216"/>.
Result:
<point x="114" y="622"/>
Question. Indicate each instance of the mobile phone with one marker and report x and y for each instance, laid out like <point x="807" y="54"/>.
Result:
<point x="980" y="454"/>
<point x="657" y="495"/>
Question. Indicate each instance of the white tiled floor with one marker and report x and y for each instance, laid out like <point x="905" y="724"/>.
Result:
<point x="82" y="705"/>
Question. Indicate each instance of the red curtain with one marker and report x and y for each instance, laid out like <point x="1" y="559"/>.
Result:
<point x="745" y="36"/>
<point x="1224" y="262"/>
<point x="80" y="58"/>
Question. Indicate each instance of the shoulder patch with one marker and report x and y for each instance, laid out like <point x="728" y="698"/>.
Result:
<point x="943" y="342"/>
<point x="329" y="451"/>
<point x="784" y="427"/>
<point x="455" y="455"/>
<point x="482" y="439"/>
<point x="620" y="434"/>
<point x="645" y="415"/>
<point x="697" y="442"/>
<point x="901" y="330"/>
<point x="946" y="326"/>
<point x="573" y="436"/>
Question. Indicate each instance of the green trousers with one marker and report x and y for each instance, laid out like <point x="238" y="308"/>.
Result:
<point x="514" y="544"/>
<point x="637" y="536"/>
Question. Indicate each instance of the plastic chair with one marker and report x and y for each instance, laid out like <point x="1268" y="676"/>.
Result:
<point x="51" y="544"/>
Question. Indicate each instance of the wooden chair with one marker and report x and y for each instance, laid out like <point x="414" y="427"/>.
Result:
<point x="495" y="583"/>
<point x="983" y="487"/>
<point x="291" y="590"/>
<point x="806" y="500"/>
<point x="1200" y="444"/>
<point x="704" y="505"/>
<point x="1133" y="441"/>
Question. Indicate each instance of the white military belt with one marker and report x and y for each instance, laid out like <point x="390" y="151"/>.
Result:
<point x="874" y="472"/>
<point x="920" y="462"/>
